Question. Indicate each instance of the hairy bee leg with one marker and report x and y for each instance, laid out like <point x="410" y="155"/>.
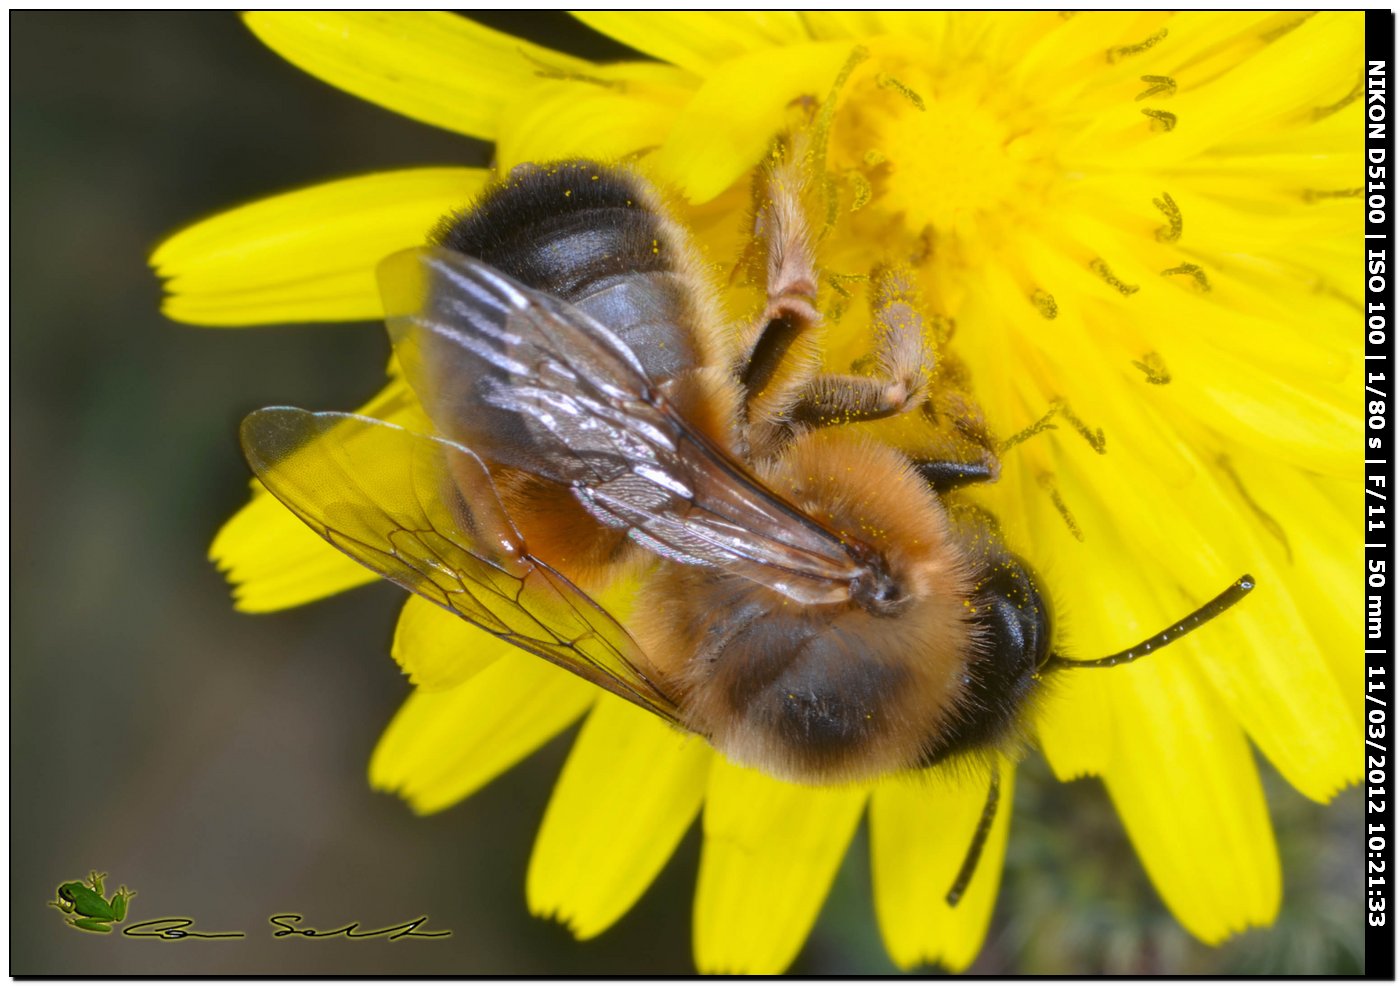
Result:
<point x="959" y="448"/>
<point x="781" y="224"/>
<point x="979" y="840"/>
<point x="902" y="361"/>
<point x="780" y="352"/>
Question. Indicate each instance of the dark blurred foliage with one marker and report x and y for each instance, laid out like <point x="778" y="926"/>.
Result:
<point x="215" y="761"/>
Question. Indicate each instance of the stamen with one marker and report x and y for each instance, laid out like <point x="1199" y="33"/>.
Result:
<point x="1044" y="303"/>
<point x="838" y="281"/>
<point x="822" y="128"/>
<point x="1335" y="292"/>
<point x="927" y="236"/>
<point x="890" y="82"/>
<point x="631" y="157"/>
<point x="1311" y="195"/>
<point x="833" y="205"/>
<point x="1100" y="268"/>
<point x="1125" y="50"/>
<point x="618" y="85"/>
<point x="1162" y="121"/>
<point x="1194" y="270"/>
<point x="943" y="328"/>
<point x="1356" y="92"/>
<point x="1095" y="438"/>
<point x="1270" y="525"/>
<point x="546" y="71"/>
<point x="838" y="284"/>
<point x="1155" y="367"/>
<point x="1158" y="85"/>
<point x="863" y="191"/>
<point x="1047" y="483"/>
<point x="1172" y="232"/>
<point x="1044" y="424"/>
<point x="1273" y="34"/>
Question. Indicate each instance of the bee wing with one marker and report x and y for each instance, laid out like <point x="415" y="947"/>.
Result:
<point x="389" y="498"/>
<point x="528" y="381"/>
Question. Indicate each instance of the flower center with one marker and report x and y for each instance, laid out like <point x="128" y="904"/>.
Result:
<point x="953" y="152"/>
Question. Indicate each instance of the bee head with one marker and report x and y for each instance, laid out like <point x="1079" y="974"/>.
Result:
<point x="1012" y="621"/>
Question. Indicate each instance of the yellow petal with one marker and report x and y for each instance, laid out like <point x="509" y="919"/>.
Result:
<point x="920" y="830"/>
<point x="1332" y="503"/>
<point x="439" y="68"/>
<point x="1261" y="660"/>
<point x="1184" y="782"/>
<point x="1281" y="82"/>
<point x="1264" y="661"/>
<point x="442" y="746"/>
<point x="629" y="791"/>
<point x="1282" y="85"/>
<point x="771" y="851"/>
<point x="273" y="560"/>
<point x="559" y="120"/>
<point x="439" y="650"/>
<point x="306" y="256"/>
<point x="863" y="24"/>
<point x="730" y="122"/>
<point x="698" y="40"/>
<point x="1272" y="677"/>
<point x="831" y="25"/>
<point x="1075" y="744"/>
<point x="1310" y="550"/>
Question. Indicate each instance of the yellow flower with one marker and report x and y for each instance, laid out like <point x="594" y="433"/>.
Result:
<point x="1138" y="232"/>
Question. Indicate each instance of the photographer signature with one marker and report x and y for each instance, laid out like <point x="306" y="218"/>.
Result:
<point x="174" y="929"/>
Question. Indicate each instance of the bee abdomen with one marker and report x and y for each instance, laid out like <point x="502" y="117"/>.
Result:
<point x="595" y="237"/>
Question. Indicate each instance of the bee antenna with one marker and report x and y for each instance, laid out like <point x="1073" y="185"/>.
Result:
<point x="979" y="840"/>
<point x="1181" y="628"/>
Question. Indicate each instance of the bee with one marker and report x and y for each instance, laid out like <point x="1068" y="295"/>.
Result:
<point x="816" y="604"/>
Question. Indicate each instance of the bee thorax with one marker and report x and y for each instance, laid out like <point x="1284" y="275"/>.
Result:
<point x="812" y="693"/>
<point x="830" y="691"/>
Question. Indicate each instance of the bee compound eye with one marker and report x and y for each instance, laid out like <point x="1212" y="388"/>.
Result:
<point x="1013" y="623"/>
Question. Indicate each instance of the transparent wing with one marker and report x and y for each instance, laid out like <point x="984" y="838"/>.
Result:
<point x="527" y="381"/>
<point x="423" y="513"/>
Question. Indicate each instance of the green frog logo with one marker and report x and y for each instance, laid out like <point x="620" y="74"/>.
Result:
<point x="88" y="910"/>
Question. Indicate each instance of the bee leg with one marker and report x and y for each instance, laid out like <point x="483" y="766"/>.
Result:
<point x="979" y="840"/>
<point x="780" y="352"/>
<point x="902" y="362"/>
<point x="957" y="448"/>
<point x="946" y="475"/>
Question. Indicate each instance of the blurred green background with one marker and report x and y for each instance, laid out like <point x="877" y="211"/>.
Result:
<point x="215" y="762"/>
